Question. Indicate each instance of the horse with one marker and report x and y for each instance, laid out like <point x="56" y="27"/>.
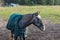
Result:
<point x="18" y="24"/>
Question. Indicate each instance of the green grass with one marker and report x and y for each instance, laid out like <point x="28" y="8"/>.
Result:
<point x="50" y="12"/>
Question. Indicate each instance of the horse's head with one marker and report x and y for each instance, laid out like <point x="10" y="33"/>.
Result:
<point x="37" y="21"/>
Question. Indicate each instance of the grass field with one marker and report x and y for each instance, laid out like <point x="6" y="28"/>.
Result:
<point x="50" y="12"/>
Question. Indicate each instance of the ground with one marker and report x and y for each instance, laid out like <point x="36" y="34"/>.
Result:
<point x="52" y="31"/>
<point x="49" y="14"/>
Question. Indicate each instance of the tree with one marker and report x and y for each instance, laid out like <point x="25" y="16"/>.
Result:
<point x="33" y="2"/>
<point x="49" y="2"/>
<point x="57" y="2"/>
<point x="44" y="2"/>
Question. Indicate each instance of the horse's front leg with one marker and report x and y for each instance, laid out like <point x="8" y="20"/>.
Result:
<point x="11" y="36"/>
<point x="15" y="37"/>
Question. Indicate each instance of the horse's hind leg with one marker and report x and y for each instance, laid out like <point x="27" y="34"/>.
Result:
<point x="15" y="37"/>
<point x="11" y="36"/>
<point x="21" y="38"/>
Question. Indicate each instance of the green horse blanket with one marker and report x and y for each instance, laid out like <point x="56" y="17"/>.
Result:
<point x="13" y="25"/>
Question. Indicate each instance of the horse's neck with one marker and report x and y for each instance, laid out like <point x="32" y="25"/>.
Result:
<point x="25" y="21"/>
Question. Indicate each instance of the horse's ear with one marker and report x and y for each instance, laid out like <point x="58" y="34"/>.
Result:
<point x="37" y="13"/>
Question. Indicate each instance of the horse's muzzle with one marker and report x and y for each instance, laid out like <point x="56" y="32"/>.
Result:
<point x="42" y="28"/>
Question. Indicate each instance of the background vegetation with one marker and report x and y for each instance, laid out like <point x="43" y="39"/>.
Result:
<point x="48" y="12"/>
<point x="33" y="2"/>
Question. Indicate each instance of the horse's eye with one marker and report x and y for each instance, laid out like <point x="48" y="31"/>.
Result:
<point x="38" y="21"/>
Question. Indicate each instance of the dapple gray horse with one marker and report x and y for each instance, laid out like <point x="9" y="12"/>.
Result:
<point x="25" y="21"/>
